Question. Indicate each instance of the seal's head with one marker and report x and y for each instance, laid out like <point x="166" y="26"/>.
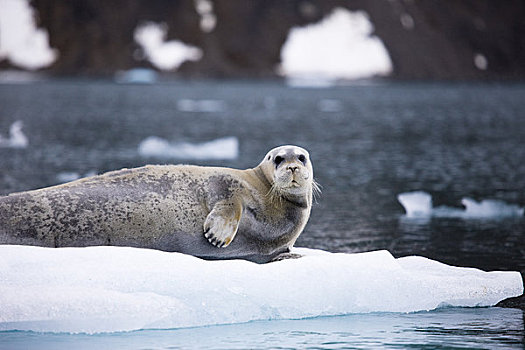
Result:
<point x="290" y="173"/>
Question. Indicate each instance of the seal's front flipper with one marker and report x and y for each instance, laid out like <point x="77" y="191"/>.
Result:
<point x="286" y="256"/>
<point x="222" y="222"/>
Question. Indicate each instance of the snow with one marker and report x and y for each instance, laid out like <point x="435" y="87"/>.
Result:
<point x="419" y="204"/>
<point x="164" y="55"/>
<point x="338" y="47"/>
<point x="110" y="289"/>
<point x="223" y="148"/>
<point x="208" y="19"/>
<point x="407" y="21"/>
<point x="16" y="139"/>
<point x="480" y="61"/>
<point x="21" y="42"/>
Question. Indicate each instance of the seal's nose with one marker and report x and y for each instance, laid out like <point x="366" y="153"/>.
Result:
<point x="292" y="168"/>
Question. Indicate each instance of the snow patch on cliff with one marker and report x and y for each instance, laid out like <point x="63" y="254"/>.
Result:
<point x="164" y="55"/>
<point x="21" y="42"/>
<point x="338" y="47"/>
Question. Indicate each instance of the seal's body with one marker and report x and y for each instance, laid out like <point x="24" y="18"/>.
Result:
<point x="213" y="213"/>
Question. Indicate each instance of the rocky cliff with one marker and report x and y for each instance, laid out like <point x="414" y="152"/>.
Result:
<point x="426" y="39"/>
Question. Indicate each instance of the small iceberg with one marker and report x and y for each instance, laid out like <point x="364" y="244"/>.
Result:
<point x="205" y="106"/>
<point x="223" y="148"/>
<point x="419" y="205"/>
<point x="312" y="82"/>
<point x="111" y="289"/>
<point x="16" y="139"/>
<point x="136" y="76"/>
<point x="68" y="176"/>
<point x="330" y="105"/>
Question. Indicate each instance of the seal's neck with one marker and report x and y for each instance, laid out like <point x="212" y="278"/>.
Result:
<point x="299" y="201"/>
<point x="262" y="177"/>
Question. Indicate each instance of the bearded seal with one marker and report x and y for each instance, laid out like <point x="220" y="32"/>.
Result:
<point x="209" y="212"/>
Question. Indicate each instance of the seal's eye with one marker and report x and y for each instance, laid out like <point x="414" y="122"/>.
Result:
<point x="278" y="160"/>
<point x="302" y="159"/>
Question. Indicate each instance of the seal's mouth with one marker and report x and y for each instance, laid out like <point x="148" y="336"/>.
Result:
<point x="295" y="184"/>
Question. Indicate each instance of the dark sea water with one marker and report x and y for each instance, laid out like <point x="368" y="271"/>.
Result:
<point x="368" y="143"/>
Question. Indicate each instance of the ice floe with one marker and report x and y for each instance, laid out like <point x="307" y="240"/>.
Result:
<point x="223" y="148"/>
<point x="136" y="76"/>
<point x="330" y="105"/>
<point x="419" y="205"/>
<point x="206" y="106"/>
<point x="16" y="139"/>
<point x="108" y="289"/>
<point x="67" y="176"/>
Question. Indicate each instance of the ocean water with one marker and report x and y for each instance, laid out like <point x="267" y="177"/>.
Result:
<point x="482" y="328"/>
<point x="368" y="144"/>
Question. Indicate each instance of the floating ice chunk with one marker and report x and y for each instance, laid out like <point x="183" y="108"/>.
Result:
<point x="416" y="204"/>
<point x="419" y="204"/>
<point x="313" y="82"/>
<point x="136" y="76"/>
<point x="223" y="148"/>
<point x="16" y="139"/>
<point x="13" y="76"/>
<point x="67" y="176"/>
<point x="339" y="47"/>
<point x="165" y="55"/>
<point x="330" y="105"/>
<point x="490" y="208"/>
<point x="208" y="106"/>
<point x="108" y="289"/>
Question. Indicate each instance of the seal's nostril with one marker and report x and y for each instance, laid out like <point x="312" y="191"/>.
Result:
<point x="293" y="168"/>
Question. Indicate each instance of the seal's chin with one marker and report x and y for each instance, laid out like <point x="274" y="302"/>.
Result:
<point x="295" y="187"/>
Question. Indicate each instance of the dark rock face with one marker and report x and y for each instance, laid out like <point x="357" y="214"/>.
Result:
<point x="95" y="37"/>
<point x="426" y="39"/>
<point x="447" y="36"/>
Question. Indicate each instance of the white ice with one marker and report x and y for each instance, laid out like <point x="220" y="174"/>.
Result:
<point x="109" y="289"/>
<point x="136" y="76"/>
<point x="16" y="139"/>
<point x="15" y="76"/>
<point x="330" y="105"/>
<point x="164" y="55"/>
<point x="21" y="42"/>
<point x="206" y="106"/>
<point x="338" y="47"/>
<point x="67" y="176"/>
<point x="223" y="148"/>
<point x="419" y="204"/>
